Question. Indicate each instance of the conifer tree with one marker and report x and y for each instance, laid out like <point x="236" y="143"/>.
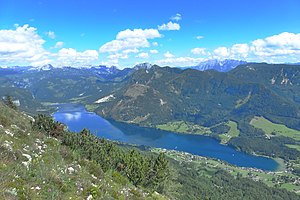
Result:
<point x="10" y="103"/>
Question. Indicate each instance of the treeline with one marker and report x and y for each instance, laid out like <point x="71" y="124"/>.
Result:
<point x="253" y="139"/>
<point x="147" y="171"/>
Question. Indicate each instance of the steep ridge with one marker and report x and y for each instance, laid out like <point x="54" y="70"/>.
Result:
<point x="159" y="95"/>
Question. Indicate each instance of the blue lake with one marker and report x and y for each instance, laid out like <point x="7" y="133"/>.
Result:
<point x="76" y="118"/>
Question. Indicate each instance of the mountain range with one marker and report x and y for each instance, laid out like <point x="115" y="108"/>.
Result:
<point x="214" y="64"/>
<point x="149" y="95"/>
<point x="218" y="65"/>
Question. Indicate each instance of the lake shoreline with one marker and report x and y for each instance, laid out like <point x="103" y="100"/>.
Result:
<point x="76" y="117"/>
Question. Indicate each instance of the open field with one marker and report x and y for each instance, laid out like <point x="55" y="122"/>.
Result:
<point x="184" y="127"/>
<point x="233" y="132"/>
<point x="293" y="146"/>
<point x="190" y="128"/>
<point x="272" y="129"/>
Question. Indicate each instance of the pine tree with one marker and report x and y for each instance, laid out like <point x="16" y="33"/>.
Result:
<point x="160" y="172"/>
<point x="10" y="103"/>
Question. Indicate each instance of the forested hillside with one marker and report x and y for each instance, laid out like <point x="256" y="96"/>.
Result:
<point x="155" y="96"/>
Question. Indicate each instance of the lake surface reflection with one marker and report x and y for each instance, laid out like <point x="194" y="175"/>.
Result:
<point x="76" y="118"/>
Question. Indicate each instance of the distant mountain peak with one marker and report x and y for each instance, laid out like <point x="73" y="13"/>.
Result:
<point x="143" y="66"/>
<point x="46" y="67"/>
<point x="219" y="65"/>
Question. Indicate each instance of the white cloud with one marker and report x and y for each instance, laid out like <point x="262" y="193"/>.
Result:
<point x="22" y="46"/>
<point x="199" y="37"/>
<point x="277" y="45"/>
<point x="222" y="52"/>
<point x="129" y="43"/>
<point x="127" y="51"/>
<point x="240" y="50"/>
<point x="179" y="62"/>
<point x="138" y="33"/>
<point x="130" y="39"/>
<point x="71" y="57"/>
<point x="177" y="17"/>
<point x="50" y="34"/>
<point x="58" y="45"/>
<point x="198" y="51"/>
<point x="155" y="44"/>
<point x="284" y="47"/>
<point x="169" y="27"/>
<point x="117" y="56"/>
<point x="168" y="55"/>
<point x="153" y="51"/>
<point x="111" y="63"/>
<point x="143" y="55"/>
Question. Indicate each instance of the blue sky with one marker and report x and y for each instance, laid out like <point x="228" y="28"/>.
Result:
<point x="124" y="33"/>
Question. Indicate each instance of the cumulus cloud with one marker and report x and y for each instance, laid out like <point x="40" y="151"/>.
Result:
<point x="111" y="62"/>
<point x="129" y="43"/>
<point x="198" y="51"/>
<point x="138" y="33"/>
<point x="171" y="26"/>
<point x="71" y="57"/>
<point x="117" y="56"/>
<point x="143" y="55"/>
<point x="50" y="34"/>
<point x="168" y="55"/>
<point x="127" y="51"/>
<point x="130" y="39"/>
<point x="284" y="47"/>
<point x="236" y="51"/>
<point x="22" y="46"/>
<point x="222" y="52"/>
<point x="277" y="45"/>
<point x="153" y="51"/>
<point x="240" y="50"/>
<point x="176" y="17"/>
<point x="58" y="45"/>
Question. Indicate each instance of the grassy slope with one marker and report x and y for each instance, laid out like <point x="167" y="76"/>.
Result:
<point x="271" y="128"/>
<point x="54" y="171"/>
<point x="184" y="127"/>
<point x="190" y="128"/>
<point x="233" y="132"/>
<point x="293" y="146"/>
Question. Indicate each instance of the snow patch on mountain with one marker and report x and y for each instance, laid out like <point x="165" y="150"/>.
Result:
<point x="219" y="65"/>
<point x="105" y="99"/>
